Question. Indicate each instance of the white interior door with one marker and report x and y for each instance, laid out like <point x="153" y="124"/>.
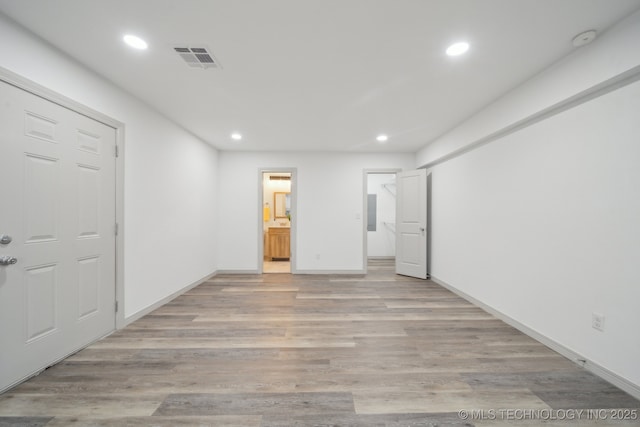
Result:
<point x="57" y="170"/>
<point x="411" y="223"/>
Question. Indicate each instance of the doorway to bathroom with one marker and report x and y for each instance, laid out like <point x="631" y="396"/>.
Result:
<point x="277" y="211"/>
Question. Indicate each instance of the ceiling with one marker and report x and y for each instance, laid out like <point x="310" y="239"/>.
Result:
<point x="318" y="75"/>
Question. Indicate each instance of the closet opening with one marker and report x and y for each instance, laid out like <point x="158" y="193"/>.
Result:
<point x="380" y="218"/>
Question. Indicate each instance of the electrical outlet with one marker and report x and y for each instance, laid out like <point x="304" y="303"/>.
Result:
<point x="597" y="321"/>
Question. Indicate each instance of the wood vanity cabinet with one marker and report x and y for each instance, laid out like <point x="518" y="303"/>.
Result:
<point x="279" y="242"/>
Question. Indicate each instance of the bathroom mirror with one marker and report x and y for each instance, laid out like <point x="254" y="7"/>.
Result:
<point x="281" y="204"/>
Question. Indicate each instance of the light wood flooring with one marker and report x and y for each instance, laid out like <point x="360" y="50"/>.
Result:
<point x="283" y="350"/>
<point x="276" y="267"/>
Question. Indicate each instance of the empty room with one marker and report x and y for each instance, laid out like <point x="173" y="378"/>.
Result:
<point x="305" y="212"/>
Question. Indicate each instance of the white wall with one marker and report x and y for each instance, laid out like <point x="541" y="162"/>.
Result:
<point x="542" y="224"/>
<point x="382" y="242"/>
<point x="170" y="175"/>
<point x="329" y="217"/>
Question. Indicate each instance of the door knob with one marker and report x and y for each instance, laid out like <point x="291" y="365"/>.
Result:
<point x="5" y="239"/>
<point x="8" y="260"/>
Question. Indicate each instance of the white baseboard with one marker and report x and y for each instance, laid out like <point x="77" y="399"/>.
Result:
<point x="310" y="272"/>
<point x="130" y="319"/>
<point x="341" y="272"/>
<point x="238" y="272"/>
<point x="601" y="371"/>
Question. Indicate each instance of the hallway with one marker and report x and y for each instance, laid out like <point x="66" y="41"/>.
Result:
<point x="283" y="350"/>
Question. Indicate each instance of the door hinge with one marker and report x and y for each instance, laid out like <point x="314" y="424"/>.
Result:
<point x="116" y="151"/>
<point x="116" y="306"/>
<point x="115" y="229"/>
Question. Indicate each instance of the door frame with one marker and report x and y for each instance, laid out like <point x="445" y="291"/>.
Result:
<point x="20" y="82"/>
<point x="294" y="215"/>
<point x="365" y="204"/>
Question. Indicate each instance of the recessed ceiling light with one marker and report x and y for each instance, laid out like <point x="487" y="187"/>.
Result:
<point x="457" y="48"/>
<point x="236" y="136"/>
<point x="382" y="138"/>
<point x="135" y="42"/>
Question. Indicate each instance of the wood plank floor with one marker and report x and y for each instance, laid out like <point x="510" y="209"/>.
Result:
<point x="283" y="350"/>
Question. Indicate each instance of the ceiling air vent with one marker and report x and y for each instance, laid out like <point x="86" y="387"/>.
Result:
<point x="197" y="57"/>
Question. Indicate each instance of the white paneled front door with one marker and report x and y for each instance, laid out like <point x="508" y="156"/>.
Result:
<point x="411" y="223"/>
<point x="57" y="213"/>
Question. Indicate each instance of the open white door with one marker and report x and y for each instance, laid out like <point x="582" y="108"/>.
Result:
<point x="57" y="243"/>
<point x="411" y="224"/>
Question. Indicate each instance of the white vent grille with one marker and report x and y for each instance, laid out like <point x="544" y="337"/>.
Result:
<point x="197" y="56"/>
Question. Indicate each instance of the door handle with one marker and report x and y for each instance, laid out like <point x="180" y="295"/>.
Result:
<point x="8" y="260"/>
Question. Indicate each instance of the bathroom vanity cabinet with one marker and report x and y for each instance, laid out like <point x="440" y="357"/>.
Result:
<point x="279" y="242"/>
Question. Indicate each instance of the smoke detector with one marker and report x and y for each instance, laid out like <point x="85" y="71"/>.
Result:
<point x="197" y="56"/>
<point x="584" y="38"/>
